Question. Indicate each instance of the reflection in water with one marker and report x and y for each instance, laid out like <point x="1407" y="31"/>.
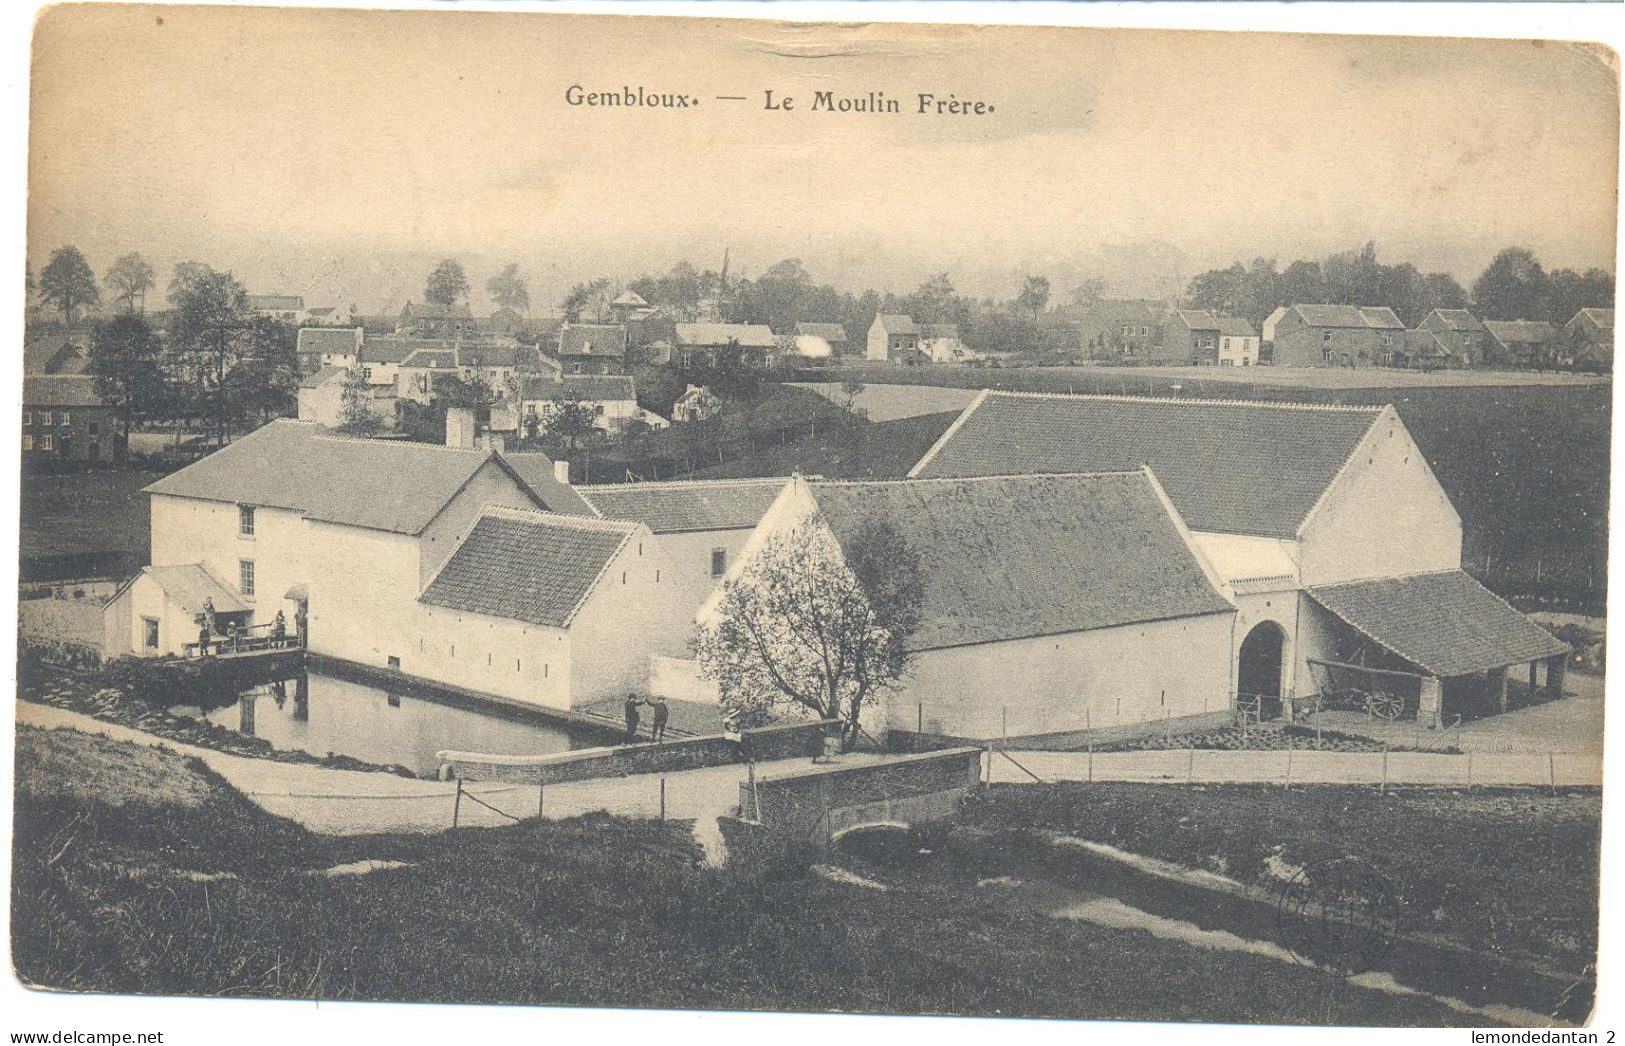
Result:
<point x="330" y="715"/>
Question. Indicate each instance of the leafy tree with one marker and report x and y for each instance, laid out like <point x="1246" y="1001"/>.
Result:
<point x="124" y="361"/>
<point x="1513" y="287"/>
<point x="814" y="624"/>
<point x="509" y="289"/>
<point x="574" y="422"/>
<point x="934" y="301"/>
<point x="852" y="388"/>
<point x="67" y="284"/>
<point x="238" y="365"/>
<point x="447" y="284"/>
<point x="1034" y="295"/>
<point x="1088" y="291"/>
<point x="130" y="278"/>
<point x="355" y="410"/>
<point x="1572" y="291"/>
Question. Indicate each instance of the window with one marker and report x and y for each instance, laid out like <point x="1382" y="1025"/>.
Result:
<point x="719" y="561"/>
<point x="45" y="418"/>
<point x="1145" y="332"/>
<point x="245" y="576"/>
<point x="245" y="520"/>
<point x="1326" y="337"/>
<point x="28" y="417"/>
<point x="95" y="428"/>
<point x="47" y="443"/>
<point x="366" y="373"/>
<point x="1127" y="331"/>
<point x="65" y="419"/>
<point x="149" y="633"/>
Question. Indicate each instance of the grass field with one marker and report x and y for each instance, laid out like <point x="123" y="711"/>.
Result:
<point x="84" y="523"/>
<point x="147" y="875"/>
<point x="1513" y="872"/>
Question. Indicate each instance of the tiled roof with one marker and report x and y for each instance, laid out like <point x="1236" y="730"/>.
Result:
<point x="1456" y="320"/>
<point x="670" y="508"/>
<point x="56" y="354"/>
<point x="1019" y="556"/>
<point x="388" y="348"/>
<point x="893" y="323"/>
<point x="189" y="585"/>
<point x="748" y="335"/>
<point x="1376" y="317"/>
<point x="429" y="311"/>
<point x="276" y="302"/>
<point x="1603" y="318"/>
<point x="592" y="339"/>
<point x="833" y="333"/>
<point x="489" y="354"/>
<point x="1444" y="623"/>
<point x="432" y="359"/>
<point x="536" y="470"/>
<point x="1229" y="466"/>
<point x="534" y="567"/>
<point x="1197" y="319"/>
<point x="323" y="376"/>
<point x="1509" y="332"/>
<point x="1426" y="342"/>
<point x="1235" y="327"/>
<point x="632" y="298"/>
<point x="596" y="388"/>
<point x="390" y="485"/>
<point x="328" y="339"/>
<point x="60" y="390"/>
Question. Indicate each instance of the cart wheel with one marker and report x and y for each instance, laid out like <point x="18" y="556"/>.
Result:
<point x="1385" y="705"/>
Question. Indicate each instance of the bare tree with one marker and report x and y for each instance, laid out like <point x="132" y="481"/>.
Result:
<point x="130" y="278"/>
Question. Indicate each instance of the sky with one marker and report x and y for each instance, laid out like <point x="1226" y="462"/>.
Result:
<point x="340" y="154"/>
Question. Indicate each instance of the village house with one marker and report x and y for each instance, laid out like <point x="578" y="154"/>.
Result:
<point x="892" y="338"/>
<point x="66" y="420"/>
<point x="706" y="342"/>
<point x="1267" y="330"/>
<point x="431" y="362"/>
<point x="429" y="320"/>
<point x="289" y="308"/>
<point x="342" y="532"/>
<point x="824" y="340"/>
<point x="1424" y="350"/>
<point x="613" y="399"/>
<point x="697" y="403"/>
<point x="58" y="353"/>
<point x="320" y="347"/>
<point x="629" y="307"/>
<point x="592" y="348"/>
<point x="1521" y="343"/>
<point x="1199" y="337"/>
<point x="329" y="316"/>
<point x="1333" y="539"/>
<point x="1337" y="336"/>
<point x="1589" y="339"/>
<point x="1457" y="334"/>
<point x="1046" y="600"/>
<point x="321" y="398"/>
<point x="1120" y="328"/>
<point x="940" y="343"/>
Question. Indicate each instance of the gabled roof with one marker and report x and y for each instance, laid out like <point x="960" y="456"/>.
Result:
<point x="1197" y="319"/>
<point x="1019" y="556"/>
<point x="389" y="485"/>
<point x="323" y="376"/>
<point x="536" y="567"/>
<point x="432" y="359"/>
<point x="1529" y="332"/>
<point x="592" y="339"/>
<point x="892" y="323"/>
<point x="833" y="333"/>
<point x="489" y="354"/>
<point x="390" y="348"/>
<point x="1426" y="343"/>
<point x="60" y="390"/>
<point x="536" y="470"/>
<point x="344" y="340"/>
<point x="1454" y="319"/>
<point x="1369" y="317"/>
<point x="596" y="388"/>
<point x="1235" y="327"/>
<point x="1603" y="318"/>
<point x="1230" y="466"/>
<point x="1445" y="623"/>
<point x="678" y="507"/>
<point x="430" y="311"/>
<point x="275" y="302"/>
<point x="631" y="298"/>
<point x="56" y="354"/>
<point x="748" y="335"/>
<point x="191" y="584"/>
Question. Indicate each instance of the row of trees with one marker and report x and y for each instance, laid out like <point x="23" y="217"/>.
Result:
<point x="215" y="361"/>
<point x="1513" y="287"/>
<point x="67" y="285"/>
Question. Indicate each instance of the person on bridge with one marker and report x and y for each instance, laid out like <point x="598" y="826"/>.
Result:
<point x="662" y="713"/>
<point x="632" y="717"/>
<point x="203" y="641"/>
<point x="279" y="628"/>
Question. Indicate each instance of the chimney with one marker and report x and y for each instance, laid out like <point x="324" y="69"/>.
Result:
<point x="460" y="428"/>
<point x="561" y="471"/>
<point x="496" y="441"/>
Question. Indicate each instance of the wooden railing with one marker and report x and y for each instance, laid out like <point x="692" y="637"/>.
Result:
<point x="254" y="639"/>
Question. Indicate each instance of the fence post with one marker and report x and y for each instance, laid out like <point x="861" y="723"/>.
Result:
<point x="919" y="717"/>
<point x="457" y="805"/>
<point x="1551" y="771"/>
<point x="1469" y="771"/>
<point x="1190" y="767"/>
<point x="1287" y="784"/>
<point x="1384" y="786"/>
<point x="662" y="797"/>
<point x="541" y="801"/>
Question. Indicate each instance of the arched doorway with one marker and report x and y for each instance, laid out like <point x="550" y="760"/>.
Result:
<point x="1258" y="669"/>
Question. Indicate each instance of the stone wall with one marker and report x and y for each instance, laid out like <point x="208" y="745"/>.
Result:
<point x="785" y="741"/>
<point x="827" y="799"/>
<point x="1071" y="740"/>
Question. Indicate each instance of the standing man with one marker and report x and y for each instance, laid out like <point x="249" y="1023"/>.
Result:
<point x="662" y="713"/>
<point x="632" y="717"/>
